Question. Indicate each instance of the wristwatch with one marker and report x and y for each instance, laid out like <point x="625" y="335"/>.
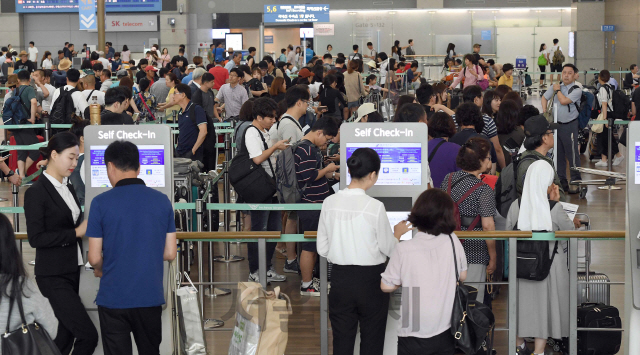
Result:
<point x="334" y="175"/>
<point x="11" y="173"/>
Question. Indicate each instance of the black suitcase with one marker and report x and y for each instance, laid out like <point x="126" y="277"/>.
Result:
<point x="598" y="315"/>
<point x="456" y="98"/>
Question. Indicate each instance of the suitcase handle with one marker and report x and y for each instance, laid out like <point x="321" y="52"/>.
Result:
<point x="590" y="304"/>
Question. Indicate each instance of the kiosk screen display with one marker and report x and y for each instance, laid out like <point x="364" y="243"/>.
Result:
<point x="637" y="163"/>
<point x="397" y="217"/>
<point x="151" y="166"/>
<point x="401" y="163"/>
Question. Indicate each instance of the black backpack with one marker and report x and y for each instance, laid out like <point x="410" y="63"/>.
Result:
<point x="534" y="262"/>
<point x="63" y="110"/>
<point x="580" y="104"/>
<point x="210" y="141"/>
<point x="506" y="188"/>
<point x="621" y="104"/>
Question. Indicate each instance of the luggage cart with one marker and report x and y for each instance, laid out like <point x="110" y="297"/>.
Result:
<point x="523" y="83"/>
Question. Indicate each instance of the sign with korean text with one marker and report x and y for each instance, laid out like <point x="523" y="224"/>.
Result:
<point x="324" y="29"/>
<point x="87" y="14"/>
<point x="296" y="13"/>
<point x="608" y="28"/>
<point x="268" y="39"/>
<point x="48" y="6"/>
<point x="521" y="62"/>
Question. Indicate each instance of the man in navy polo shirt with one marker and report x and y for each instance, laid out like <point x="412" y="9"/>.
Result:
<point x="193" y="130"/>
<point x="131" y="233"/>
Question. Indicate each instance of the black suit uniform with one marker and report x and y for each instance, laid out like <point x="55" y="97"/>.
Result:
<point x="51" y="231"/>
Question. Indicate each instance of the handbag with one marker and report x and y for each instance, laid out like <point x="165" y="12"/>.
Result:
<point x="598" y="127"/>
<point x="145" y="105"/>
<point x="542" y="60"/>
<point x="29" y="339"/>
<point x="249" y="179"/>
<point x="549" y="113"/>
<point x="190" y="323"/>
<point x="471" y="321"/>
<point x="484" y="82"/>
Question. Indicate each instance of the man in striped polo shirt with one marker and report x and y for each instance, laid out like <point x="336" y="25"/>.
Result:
<point x="312" y="174"/>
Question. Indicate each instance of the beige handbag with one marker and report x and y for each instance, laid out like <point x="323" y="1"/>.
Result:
<point x="598" y="127"/>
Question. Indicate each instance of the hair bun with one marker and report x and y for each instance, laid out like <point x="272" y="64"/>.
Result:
<point x="45" y="151"/>
<point x="354" y="162"/>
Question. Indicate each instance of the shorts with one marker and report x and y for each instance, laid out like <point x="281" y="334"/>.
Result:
<point x="556" y="68"/>
<point x="353" y="104"/>
<point x="292" y="215"/>
<point x="309" y="221"/>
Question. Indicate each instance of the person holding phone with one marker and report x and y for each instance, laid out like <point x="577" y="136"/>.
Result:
<point x="354" y="234"/>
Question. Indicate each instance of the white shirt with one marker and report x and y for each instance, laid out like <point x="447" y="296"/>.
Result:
<point x="606" y="96"/>
<point x="105" y="62"/>
<point x="255" y="147"/>
<point x="354" y="229"/>
<point x="79" y="102"/>
<point x="106" y="85"/>
<point x="33" y="53"/>
<point x="63" y="190"/>
<point x="46" y="102"/>
<point x="47" y="64"/>
<point x="314" y="89"/>
<point x="98" y="94"/>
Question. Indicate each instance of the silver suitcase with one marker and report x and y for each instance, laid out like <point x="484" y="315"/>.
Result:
<point x="599" y="288"/>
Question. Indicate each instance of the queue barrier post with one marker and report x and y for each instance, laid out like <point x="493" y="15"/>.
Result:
<point x="16" y="216"/>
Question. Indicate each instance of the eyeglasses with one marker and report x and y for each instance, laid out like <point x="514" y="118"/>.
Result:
<point x="549" y="132"/>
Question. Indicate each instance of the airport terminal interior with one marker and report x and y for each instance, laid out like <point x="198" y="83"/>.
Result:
<point x="345" y="96"/>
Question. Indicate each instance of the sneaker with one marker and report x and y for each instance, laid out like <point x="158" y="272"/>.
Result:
<point x="32" y="262"/>
<point x="312" y="290"/>
<point x="618" y="160"/>
<point x="525" y="351"/>
<point x="291" y="267"/>
<point x="601" y="163"/>
<point x="272" y="276"/>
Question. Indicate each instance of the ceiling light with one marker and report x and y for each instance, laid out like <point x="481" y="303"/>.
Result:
<point x="352" y="13"/>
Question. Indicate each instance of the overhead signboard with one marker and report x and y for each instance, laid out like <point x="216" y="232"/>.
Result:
<point x="87" y="14"/>
<point x="608" y="28"/>
<point x="132" y="23"/>
<point x="296" y="13"/>
<point x="324" y="29"/>
<point x="34" y="6"/>
<point x="268" y="39"/>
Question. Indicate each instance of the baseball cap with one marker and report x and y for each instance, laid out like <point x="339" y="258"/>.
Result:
<point x="304" y="73"/>
<point x="538" y="125"/>
<point x="365" y="109"/>
<point x="150" y="68"/>
<point x="191" y="66"/>
<point x="477" y="45"/>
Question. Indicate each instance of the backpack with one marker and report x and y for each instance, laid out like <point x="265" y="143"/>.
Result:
<point x="582" y="103"/>
<point x="63" y="110"/>
<point x="210" y="140"/>
<point x="287" y="186"/>
<point x="542" y="60"/>
<point x="506" y="191"/>
<point x="13" y="113"/>
<point x="533" y="258"/>
<point x="558" y="57"/>
<point x="456" y="203"/>
<point x="621" y="104"/>
<point x="586" y="106"/>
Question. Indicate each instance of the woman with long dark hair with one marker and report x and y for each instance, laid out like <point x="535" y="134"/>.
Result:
<point x="510" y="133"/>
<point x="278" y="89"/>
<point x="490" y="104"/>
<point x="354" y="85"/>
<point x="354" y="234"/>
<point x="126" y="54"/>
<point x="14" y="284"/>
<point x="331" y="97"/>
<point x="55" y="228"/>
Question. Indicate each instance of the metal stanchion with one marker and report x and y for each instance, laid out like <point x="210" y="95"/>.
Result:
<point x="262" y="262"/>
<point x="211" y="290"/>
<point x="513" y="297"/>
<point x="227" y="257"/>
<point x="16" y="216"/>
<point x="324" y="308"/>
<point x="47" y="128"/>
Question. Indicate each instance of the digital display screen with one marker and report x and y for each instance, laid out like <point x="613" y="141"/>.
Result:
<point x="401" y="163"/>
<point x="637" y="163"/>
<point x="219" y="33"/>
<point x="397" y="217"/>
<point x="35" y="6"/>
<point x="151" y="166"/>
<point x="306" y="33"/>
<point x="233" y="40"/>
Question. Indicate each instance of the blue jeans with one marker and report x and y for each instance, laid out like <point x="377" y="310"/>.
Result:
<point x="263" y="221"/>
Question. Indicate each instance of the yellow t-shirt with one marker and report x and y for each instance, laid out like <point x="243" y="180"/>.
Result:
<point x="504" y="80"/>
<point x="168" y="112"/>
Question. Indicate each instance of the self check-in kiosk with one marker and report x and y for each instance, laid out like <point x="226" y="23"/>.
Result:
<point x="404" y="175"/>
<point x="156" y="169"/>
<point x="632" y="258"/>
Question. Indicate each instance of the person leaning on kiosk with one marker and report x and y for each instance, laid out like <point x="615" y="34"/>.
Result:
<point x="130" y="302"/>
<point x="354" y="234"/>
<point x="425" y="266"/>
<point x="543" y="306"/>
<point x="55" y="229"/>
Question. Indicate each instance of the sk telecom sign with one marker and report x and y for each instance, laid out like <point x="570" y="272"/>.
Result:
<point x="87" y="12"/>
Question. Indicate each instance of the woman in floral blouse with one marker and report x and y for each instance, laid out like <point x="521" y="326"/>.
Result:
<point x="145" y="101"/>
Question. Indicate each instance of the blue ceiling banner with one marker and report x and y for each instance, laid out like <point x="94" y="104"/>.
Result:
<point x="296" y="13"/>
<point x="36" y="6"/>
<point x="87" y="14"/>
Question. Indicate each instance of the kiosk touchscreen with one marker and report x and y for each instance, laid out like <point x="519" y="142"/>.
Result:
<point x="156" y="169"/>
<point x="404" y="175"/>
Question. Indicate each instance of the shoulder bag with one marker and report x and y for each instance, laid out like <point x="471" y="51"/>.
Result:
<point x="249" y="179"/>
<point x="144" y="101"/>
<point x="29" y="339"/>
<point x="471" y="321"/>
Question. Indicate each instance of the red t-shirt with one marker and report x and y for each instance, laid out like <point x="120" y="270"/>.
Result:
<point x="220" y="76"/>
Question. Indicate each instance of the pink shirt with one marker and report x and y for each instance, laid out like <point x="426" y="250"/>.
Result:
<point x="469" y="79"/>
<point x="425" y="263"/>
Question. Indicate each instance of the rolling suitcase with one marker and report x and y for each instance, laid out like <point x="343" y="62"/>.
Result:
<point x="598" y="315"/>
<point x="599" y="288"/>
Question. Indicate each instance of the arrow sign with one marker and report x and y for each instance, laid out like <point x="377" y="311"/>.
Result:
<point x="87" y="15"/>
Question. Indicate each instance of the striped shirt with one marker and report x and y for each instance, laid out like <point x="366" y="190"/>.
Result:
<point x="490" y="130"/>
<point x="308" y="162"/>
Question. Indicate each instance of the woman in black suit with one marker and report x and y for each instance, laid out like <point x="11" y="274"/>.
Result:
<point x="55" y="229"/>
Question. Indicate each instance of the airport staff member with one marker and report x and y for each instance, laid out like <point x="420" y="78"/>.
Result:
<point x="566" y="99"/>
<point x="355" y="235"/>
<point x="131" y="293"/>
<point x="55" y="229"/>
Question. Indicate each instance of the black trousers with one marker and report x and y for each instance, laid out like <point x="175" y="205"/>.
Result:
<point x="542" y="69"/>
<point x="75" y="330"/>
<point x="116" y="326"/>
<point x="603" y="143"/>
<point x="356" y="298"/>
<point x="441" y="344"/>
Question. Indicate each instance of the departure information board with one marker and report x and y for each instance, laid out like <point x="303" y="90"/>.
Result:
<point x="33" y="6"/>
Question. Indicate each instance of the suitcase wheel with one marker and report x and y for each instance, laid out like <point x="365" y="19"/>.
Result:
<point x="583" y="192"/>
